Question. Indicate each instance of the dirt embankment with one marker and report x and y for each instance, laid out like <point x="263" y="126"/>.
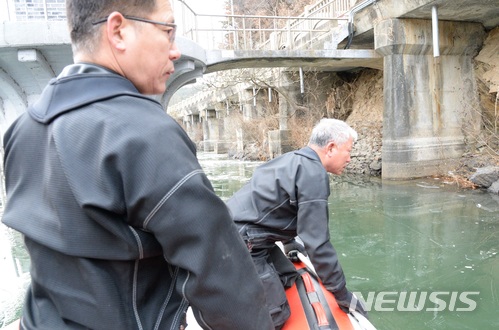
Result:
<point x="483" y="148"/>
<point x="367" y="119"/>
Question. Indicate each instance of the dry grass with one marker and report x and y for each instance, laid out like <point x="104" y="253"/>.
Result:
<point x="460" y="181"/>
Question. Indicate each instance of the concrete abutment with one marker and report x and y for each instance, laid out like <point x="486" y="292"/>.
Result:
<point x="426" y="98"/>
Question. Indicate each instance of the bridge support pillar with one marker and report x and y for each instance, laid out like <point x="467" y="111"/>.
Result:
<point x="192" y="125"/>
<point x="429" y="101"/>
<point x="280" y="140"/>
<point x="253" y="102"/>
<point x="213" y="132"/>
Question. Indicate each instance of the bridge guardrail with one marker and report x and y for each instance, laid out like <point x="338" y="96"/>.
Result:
<point x="246" y="32"/>
<point x="232" y="32"/>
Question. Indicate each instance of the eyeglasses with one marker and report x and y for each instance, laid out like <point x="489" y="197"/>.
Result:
<point x="171" y="32"/>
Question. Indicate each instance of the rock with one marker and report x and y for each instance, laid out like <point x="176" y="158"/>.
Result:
<point x="494" y="188"/>
<point x="486" y="176"/>
<point x="375" y="165"/>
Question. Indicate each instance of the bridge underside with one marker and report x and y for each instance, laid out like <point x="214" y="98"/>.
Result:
<point x="323" y="60"/>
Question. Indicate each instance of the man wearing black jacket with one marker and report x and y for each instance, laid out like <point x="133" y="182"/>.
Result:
<point x="122" y="226"/>
<point x="288" y="197"/>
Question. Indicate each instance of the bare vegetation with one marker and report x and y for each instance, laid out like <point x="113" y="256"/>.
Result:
<point x="325" y="94"/>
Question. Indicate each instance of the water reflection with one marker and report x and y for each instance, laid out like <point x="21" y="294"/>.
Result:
<point x="226" y="175"/>
<point x="420" y="237"/>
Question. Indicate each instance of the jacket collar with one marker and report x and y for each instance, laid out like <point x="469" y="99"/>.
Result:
<point x="308" y="152"/>
<point x="79" y="85"/>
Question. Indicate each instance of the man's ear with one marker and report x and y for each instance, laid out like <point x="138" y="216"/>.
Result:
<point x="330" y="148"/>
<point x="116" y="24"/>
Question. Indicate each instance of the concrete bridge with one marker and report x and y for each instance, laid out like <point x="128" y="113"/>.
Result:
<point x="424" y="47"/>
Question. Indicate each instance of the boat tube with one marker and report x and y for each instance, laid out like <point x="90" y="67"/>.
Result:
<point x="314" y="307"/>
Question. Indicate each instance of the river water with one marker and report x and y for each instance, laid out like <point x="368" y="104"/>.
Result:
<point x="423" y="253"/>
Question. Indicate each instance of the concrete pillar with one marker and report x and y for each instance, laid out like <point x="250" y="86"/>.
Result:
<point x="214" y="131"/>
<point x="192" y="125"/>
<point x="240" y="140"/>
<point x="279" y="142"/>
<point x="245" y="101"/>
<point x="249" y="104"/>
<point x="426" y="98"/>
<point x="210" y="129"/>
<point x="221" y="145"/>
<point x="283" y="113"/>
<point x="187" y="122"/>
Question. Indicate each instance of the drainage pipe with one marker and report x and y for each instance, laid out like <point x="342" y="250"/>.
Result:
<point x="352" y="12"/>
<point x="434" y="24"/>
<point x="302" y="84"/>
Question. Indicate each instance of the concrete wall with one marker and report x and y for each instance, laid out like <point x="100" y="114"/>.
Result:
<point x="426" y="97"/>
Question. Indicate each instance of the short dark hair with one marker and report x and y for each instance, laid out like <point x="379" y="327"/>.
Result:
<point x="82" y="13"/>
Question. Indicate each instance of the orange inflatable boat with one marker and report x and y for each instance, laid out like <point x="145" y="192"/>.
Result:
<point x="313" y="307"/>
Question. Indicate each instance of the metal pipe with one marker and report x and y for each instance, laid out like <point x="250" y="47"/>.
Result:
<point x="266" y="30"/>
<point x="352" y="12"/>
<point x="244" y="33"/>
<point x="188" y="7"/>
<point x="45" y="10"/>
<point x="235" y="36"/>
<point x="295" y="18"/>
<point x="359" y="7"/>
<point x="302" y="85"/>
<point x="184" y="19"/>
<point x="434" y="24"/>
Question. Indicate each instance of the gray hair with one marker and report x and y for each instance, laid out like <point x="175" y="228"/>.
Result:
<point x="82" y="13"/>
<point x="331" y="130"/>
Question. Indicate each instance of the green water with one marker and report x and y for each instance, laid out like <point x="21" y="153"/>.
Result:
<point x="419" y="237"/>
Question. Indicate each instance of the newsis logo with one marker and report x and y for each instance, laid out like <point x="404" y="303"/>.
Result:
<point x="417" y="301"/>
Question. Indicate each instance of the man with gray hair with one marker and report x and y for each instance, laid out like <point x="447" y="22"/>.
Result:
<point x="288" y="197"/>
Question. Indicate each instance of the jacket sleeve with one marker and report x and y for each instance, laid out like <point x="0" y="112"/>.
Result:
<point x="216" y="273"/>
<point x="313" y="227"/>
<point x="170" y="196"/>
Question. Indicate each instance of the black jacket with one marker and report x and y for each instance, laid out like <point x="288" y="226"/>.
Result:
<point x="286" y="197"/>
<point x="122" y="225"/>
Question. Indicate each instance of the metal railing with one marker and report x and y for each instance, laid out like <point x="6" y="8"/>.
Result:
<point x="243" y="32"/>
<point x="231" y="32"/>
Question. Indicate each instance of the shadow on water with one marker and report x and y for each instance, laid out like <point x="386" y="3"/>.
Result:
<point x="422" y="253"/>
